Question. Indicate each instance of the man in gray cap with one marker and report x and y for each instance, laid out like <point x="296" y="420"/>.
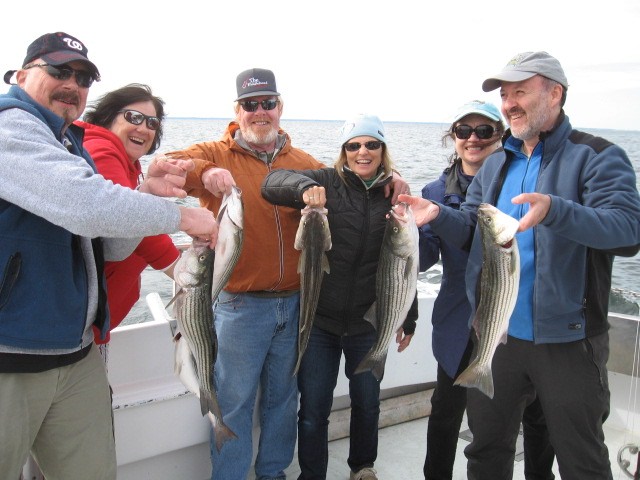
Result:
<point x="576" y="199"/>
<point x="256" y="315"/>
<point x="59" y="222"/>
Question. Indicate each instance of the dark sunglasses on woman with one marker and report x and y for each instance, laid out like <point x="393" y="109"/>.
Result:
<point x="136" y="118"/>
<point x="370" y="145"/>
<point x="484" y="132"/>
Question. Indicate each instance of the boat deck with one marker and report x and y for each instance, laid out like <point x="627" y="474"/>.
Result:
<point x="402" y="449"/>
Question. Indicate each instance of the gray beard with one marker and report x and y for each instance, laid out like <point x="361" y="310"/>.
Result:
<point x="252" y="138"/>
<point x="537" y="120"/>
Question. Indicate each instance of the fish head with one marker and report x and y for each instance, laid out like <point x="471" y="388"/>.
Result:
<point x="233" y="207"/>
<point x="495" y="225"/>
<point x="194" y="266"/>
<point x="313" y="229"/>
<point x="401" y="231"/>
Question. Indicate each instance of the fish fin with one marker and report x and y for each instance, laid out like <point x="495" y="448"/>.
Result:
<point x="409" y="267"/>
<point x="477" y="376"/>
<point x="172" y="300"/>
<point x="476" y="324"/>
<point x="375" y="366"/>
<point x="514" y="260"/>
<point x="325" y="264"/>
<point x="371" y="317"/>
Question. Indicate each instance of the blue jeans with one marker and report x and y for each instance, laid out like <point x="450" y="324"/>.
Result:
<point x="317" y="379"/>
<point x="257" y="345"/>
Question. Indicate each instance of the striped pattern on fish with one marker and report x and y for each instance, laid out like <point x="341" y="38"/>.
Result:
<point x="396" y="285"/>
<point x="313" y="239"/>
<point x="194" y="314"/>
<point x="499" y="282"/>
<point x="230" y="238"/>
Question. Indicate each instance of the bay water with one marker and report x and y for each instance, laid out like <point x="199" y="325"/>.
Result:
<point x="418" y="154"/>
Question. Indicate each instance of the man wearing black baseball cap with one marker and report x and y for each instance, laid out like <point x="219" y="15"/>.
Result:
<point x="59" y="222"/>
<point x="57" y="49"/>
<point x="576" y="199"/>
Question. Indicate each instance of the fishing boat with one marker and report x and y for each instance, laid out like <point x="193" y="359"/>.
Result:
<point x="161" y="434"/>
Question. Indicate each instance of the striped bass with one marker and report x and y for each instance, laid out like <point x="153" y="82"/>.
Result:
<point x="230" y="238"/>
<point x="499" y="282"/>
<point x="396" y="285"/>
<point x="313" y="239"/>
<point x="193" y="274"/>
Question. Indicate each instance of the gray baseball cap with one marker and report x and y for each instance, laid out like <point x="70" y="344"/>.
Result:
<point x="524" y="66"/>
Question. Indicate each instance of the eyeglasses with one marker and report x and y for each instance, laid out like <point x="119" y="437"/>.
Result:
<point x="136" y="118"/>
<point x="370" y="145"/>
<point x="84" y="78"/>
<point x="252" y="105"/>
<point x="484" y="132"/>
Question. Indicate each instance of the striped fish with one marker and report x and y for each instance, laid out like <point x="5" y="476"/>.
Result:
<point x="193" y="311"/>
<point x="499" y="283"/>
<point x="396" y="285"/>
<point x="313" y="239"/>
<point x="230" y="238"/>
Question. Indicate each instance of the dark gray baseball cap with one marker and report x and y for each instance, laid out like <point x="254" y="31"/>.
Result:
<point x="524" y="66"/>
<point x="256" y="82"/>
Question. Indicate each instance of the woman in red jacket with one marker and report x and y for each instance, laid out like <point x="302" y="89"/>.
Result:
<point x="120" y="127"/>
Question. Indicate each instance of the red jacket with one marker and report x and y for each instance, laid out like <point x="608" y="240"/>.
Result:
<point x="123" y="278"/>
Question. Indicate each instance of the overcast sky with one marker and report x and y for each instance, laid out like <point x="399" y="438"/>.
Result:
<point x="403" y="60"/>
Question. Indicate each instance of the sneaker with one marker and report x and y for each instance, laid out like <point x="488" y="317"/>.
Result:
<point x="364" y="474"/>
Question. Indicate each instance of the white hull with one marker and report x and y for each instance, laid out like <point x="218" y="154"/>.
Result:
<point x="160" y="433"/>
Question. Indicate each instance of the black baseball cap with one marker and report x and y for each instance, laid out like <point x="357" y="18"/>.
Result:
<point x="57" y="49"/>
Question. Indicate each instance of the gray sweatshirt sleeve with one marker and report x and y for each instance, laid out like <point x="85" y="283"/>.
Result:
<point x="39" y="175"/>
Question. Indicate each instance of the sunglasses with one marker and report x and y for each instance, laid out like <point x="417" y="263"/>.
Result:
<point x="136" y="118"/>
<point x="252" y="105"/>
<point x="484" y="132"/>
<point x="84" y="78"/>
<point x="370" y="145"/>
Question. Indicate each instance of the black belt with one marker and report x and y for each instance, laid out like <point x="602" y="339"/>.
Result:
<point x="34" y="363"/>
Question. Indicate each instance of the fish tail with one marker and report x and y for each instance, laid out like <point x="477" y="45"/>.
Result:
<point x="477" y="376"/>
<point x="222" y="434"/>
<point x="373" y="364"/>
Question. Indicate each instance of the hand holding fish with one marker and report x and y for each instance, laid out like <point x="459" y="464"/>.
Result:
<point x="423" y="210"/>
<point x="218" y="181"/>
<point x="315" y="196"/>
<point x="166" y="177"/>
<point x="199" y="223"/>
<point x="398" y="186"/>
<point x="539" y="205"/>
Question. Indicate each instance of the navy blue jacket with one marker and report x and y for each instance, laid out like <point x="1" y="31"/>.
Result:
<point x="594" y="215"/>
<point x="43" y="279"/>
<point x="451" y="308"/>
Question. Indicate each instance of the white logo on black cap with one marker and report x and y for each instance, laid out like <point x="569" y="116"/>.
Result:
<point x="74" y="44"/>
